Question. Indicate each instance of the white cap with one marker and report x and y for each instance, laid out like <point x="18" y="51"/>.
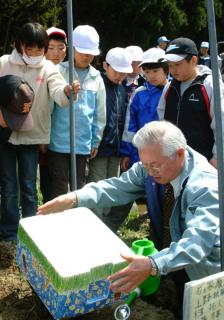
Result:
<point x="204" y="44"/>
<point x="53" y="30"/>
<point x="86" y="40"/>
<point x="119" y="59"/>
<point x="135" y="52"/>
<point x="162" y="39"/>
<point x="153" y="55"/>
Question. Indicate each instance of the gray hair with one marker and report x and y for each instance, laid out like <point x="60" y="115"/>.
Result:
<point x="163" y="133"/>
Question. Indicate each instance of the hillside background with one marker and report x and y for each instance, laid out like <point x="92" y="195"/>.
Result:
<point x="119" y="23"/>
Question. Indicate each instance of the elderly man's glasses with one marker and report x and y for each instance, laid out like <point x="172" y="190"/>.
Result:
<point x="155" y="168"/>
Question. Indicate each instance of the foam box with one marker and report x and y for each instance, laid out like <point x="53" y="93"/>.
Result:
<point x="67" y="257"/>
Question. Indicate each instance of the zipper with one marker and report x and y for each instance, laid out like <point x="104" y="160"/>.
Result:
<point x="178" y="105"/>
<point x="117" y="109"/>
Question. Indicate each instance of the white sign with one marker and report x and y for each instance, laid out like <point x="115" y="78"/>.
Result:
<point x="204" y="298"/>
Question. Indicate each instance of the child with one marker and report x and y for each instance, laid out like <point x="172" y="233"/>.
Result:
<point x="203" y="56"/>
<point x="56" y="52"/>
<point x="134" y="79"/>
<point x="162" y="42"/>
<point x="188" y="101"/>
<point x="27" y="60"/>
<point x="57" y="45"/>
<point x="107" y="162"/>
<point x="143" y="107"/>
<point x="89" y="115"/>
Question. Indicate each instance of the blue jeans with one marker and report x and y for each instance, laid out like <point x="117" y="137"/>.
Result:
<point x="18" y="167"/>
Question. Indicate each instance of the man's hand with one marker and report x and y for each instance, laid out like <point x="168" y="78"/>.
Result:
<point x="75" y="88"/>
<point x="129" y="278"/>
<point x="61" y="203"/>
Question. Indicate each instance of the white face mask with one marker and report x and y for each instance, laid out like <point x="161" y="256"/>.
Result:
<point x="32" y="60"/>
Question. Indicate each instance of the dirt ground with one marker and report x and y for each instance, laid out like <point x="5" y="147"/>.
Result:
<point x="18" y="302"/>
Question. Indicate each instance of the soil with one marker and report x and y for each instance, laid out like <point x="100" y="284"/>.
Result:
<point x="19" y="302"/>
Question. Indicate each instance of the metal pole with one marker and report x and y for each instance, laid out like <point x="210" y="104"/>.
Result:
<point x="218" y="118"/>
<point x="71" y="98"/>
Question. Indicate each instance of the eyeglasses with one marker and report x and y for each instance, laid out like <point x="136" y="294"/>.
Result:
<point x="155" y="169"/>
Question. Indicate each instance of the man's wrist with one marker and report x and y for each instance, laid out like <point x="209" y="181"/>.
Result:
<point x="155" y="269"/>
<point x="73" y="199"/>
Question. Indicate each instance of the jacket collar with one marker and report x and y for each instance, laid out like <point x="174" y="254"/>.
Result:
<point x="93" y="73"/>
<point x="151" y="88"/>
<point x="178" y="182"/>
<point x="108" y="82"/>
<point x="193" y="161"/>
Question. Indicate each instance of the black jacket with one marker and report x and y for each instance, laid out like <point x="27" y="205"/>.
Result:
<point x="191" y="113"/>
<point x="116" y="104"/>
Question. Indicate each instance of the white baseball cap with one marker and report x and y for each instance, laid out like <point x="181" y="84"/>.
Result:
<point x="119" y="59"/>
<point x="135" y="52"/>
<point x="86" y="40"/>
<point x="204" y="44"/>
<point x="153" y="55"/>
<point x="162" y="39"/>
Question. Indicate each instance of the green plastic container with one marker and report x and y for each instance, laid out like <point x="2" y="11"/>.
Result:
<point x="142" y="247"/>
<point x="146" y="247"/>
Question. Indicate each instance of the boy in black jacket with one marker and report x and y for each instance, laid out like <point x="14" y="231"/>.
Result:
<point x="107" y="162"/>
<point x="188" y="101"/>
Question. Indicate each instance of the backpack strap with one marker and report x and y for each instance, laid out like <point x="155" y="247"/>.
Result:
<point x="200" y="79"/>
<point x="166" y="94"/>
<point x="207" y="102"/>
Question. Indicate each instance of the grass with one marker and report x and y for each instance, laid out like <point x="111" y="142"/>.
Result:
<point x="39" y="195"/>
<point x="136" y="226"/>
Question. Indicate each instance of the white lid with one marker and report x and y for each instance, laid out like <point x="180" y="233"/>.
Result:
<point x="74" y="241"/>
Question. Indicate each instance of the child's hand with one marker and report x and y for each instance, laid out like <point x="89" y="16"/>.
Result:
<point x="213" y="162"/>
<point x="125" y="163"/>
<point x="75" y="88"/>
<point x="43" y="148"/>
<point x="93" y="153"/>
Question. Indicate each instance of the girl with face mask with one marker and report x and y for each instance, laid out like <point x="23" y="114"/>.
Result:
<point x="27" y="61"/>
<point x="31" y="44"/>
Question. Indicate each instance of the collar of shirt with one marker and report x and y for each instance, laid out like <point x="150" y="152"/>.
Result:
<point x="178" y="181"/>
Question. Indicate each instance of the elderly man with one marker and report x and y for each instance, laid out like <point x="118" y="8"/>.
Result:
<point x="194" y="222"/>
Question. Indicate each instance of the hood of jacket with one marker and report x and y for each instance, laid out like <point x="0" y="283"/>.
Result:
<point x="204" y="69"/>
